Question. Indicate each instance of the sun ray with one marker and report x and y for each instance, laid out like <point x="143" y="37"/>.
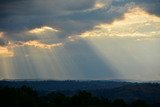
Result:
<point x="130" y="44"/>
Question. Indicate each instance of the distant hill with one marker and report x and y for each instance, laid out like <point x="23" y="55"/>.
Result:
<point x="149" y="92"/>
<point x="51" y="85"/>
<point x="128" y="91"/>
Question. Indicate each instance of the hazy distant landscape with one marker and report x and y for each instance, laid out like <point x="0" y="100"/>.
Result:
<point x="126" y="92"/>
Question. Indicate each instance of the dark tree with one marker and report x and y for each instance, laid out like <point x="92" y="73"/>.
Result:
<point x="58" y="99"/>
<point x="119" y="103"/>
<point x="139" y="103"/>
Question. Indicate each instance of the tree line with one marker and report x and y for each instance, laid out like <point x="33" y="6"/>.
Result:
<point x="27" y="97"/>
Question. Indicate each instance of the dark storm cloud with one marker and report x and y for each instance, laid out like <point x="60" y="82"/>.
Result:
<point x="3" y="42"/>
<point x="70" y="17"/>
<point x="22" y="14"/>
<point x="151" y="6"/>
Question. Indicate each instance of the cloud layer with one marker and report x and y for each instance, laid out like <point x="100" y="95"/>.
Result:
<point x="136" y="23"/>
<point x="24" y="22"/>
<point x="72" y="16"/>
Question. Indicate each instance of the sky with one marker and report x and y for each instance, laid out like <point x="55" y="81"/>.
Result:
<point x="80" y="39"/>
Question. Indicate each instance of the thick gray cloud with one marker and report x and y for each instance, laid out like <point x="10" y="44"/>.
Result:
<point x="151" y="6"/>
<point x="21" y="14"/>
<point x="70" y="17"/>
<point x="3" y="42"/>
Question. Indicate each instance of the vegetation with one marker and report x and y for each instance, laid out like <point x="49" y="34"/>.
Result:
<point x="27" y="97"/>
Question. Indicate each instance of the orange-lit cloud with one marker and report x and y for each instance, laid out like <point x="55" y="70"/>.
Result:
<point x="38" y="44"/>
<point x="5" y="49"/>
<point x="5" y="52"/>
<point x="99" y="5"/>
<point x="136" y="23"/>
<point x="1" y="34"/>
<point x="43" y="29"/>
